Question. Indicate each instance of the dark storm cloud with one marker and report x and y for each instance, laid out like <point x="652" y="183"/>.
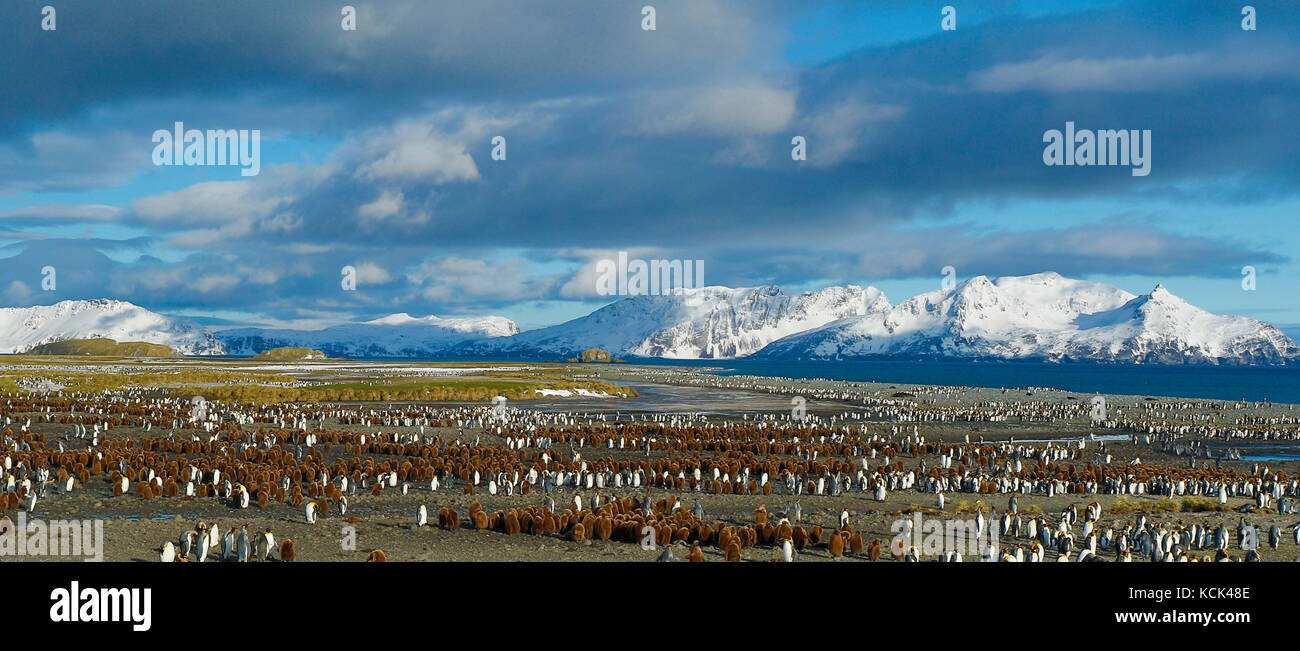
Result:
<point x="892" y="132"/>
<point x="403" y="51"/>
<point x="676" y="141"/>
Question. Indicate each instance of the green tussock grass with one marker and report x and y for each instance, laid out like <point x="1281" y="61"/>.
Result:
<point x="1168" y="505"/>
<point x="1200" y="505"/>
<point x="455" y="389"/>
<point x="962" y="506"/>
<point x="103" y="348"/>
<point x="1124" y="505"/>
<point x="290" y="353"/>
<point x="95" y="382"/>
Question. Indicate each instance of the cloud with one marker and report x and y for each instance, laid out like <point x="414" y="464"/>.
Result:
<point x="208" y="284"/>
<point x="57" y="212"/>
<point x="674" y="142"/>
<point x="210" y="202"/>
<point x="387" y="204"/>
<point x="742" y="108"/>
<point x="1107" y="247"/>
<point x="582" y="284"/>
<point x="473" y="281"/>
<point x="1141" y="74"/>
<point x="414" y="151"/>
<point x="57" y="160"/>
<point x="18" y="293"/>
<point x="371" y="273"/>
<point x="402" y="52"/>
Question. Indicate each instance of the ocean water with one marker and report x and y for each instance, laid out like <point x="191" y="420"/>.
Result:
<point x="1256" y="383"/>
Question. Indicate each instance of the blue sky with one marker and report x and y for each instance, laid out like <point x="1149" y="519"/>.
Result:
<point x="924" y="150"/>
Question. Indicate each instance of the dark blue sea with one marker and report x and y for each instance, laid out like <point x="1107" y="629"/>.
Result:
<point x="1255" y="383"/>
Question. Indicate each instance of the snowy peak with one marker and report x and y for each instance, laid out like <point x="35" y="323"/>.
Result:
<point x="706" y="323"/>
<point x="1046" y="316"/>
<point x="24" y="328"/>
<point x="395" y="335"/>
<point x="488" y="326"/>
<point x="1042" y="316"/>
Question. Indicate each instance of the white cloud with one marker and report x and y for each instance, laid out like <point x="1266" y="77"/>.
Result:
<point x="582" y="284"/>
<point x="214" y="283"/>
<point x="72" y="212"/>
<point x="845" y="128"/>
<point x="456" y="279"/>
<point x="743" y="108"/>
<point x="1143" y="74"/>
<point x="415" y="151"/>
<point x="387" y="204"/>
<point x="210" y="202"/>
<point x="18" y="293"/>
<point x="372" y="274"/>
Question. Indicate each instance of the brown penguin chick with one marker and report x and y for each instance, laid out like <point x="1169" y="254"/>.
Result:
<point x="855" y="542"/>
<point x="836" y="544"/>
<point x="145" y="489"/>
<point x="286" y="550"/>
<point x="724" y="538"/>
<point x="579" y="533"/>
<point x="760" y="515"/>
<point x="799" y="537"/>
<point x="706" y="534"/>
<point x="697" y="554"/>
<point x="783" y="531"/>
<point x="377" y="556"/>
<point x="733" y="552"/>
<point x="873" y="551"/>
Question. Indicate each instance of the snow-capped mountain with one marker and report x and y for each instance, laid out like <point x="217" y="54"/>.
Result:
<point x="24" y="328"/>
<point x="1047" y="317"/>
<point x="1038" y="317"/>
<point x="705" y="323"/>
<point x="396" y="335"/>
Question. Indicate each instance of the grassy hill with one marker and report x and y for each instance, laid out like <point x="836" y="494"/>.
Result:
<point x="103" y="348"/>
<point x="595" y="355"/>
<point x="288" y="352"/>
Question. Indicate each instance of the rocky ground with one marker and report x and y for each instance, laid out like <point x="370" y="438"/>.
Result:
<point x="135" y="528"/>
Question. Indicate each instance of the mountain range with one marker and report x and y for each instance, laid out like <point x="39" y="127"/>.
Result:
<point x="1044" y="317"/>
<point x="25" y="328"/>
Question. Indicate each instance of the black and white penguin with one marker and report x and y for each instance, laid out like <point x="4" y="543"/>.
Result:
<point x="243" y="548"/>
<point x="167" y="553"/>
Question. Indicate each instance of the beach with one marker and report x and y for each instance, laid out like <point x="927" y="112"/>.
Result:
<point x="681" y="401"/>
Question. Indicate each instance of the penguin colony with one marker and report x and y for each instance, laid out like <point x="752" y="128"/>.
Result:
<point x="581" y="477"/>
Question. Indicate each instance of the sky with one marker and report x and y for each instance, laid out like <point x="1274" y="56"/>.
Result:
<point x="924" y="149"/>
